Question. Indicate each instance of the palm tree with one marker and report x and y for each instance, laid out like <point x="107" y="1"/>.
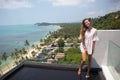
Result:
<point x="4" y="57"/>
<point x="0" y="69"/>
<point x="37" y="47"/>
<point x="61" y="45"/>
<point x="33" y="53"/>
<point x="13" y="55"/>
<point x="33" y="46"/>
<point x="41" y="40"/>
<point x="26" y="43"/>
<point x="16" y="53"/>
<point x="24" y="51"/>
<point x="20" y="51"/>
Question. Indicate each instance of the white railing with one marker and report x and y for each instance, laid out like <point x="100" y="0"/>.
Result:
<point x="114" y="60"/>
<point x="107" y="53"/>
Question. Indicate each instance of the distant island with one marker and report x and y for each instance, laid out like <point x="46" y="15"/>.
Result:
<point x="61" y="24"/>
<point x="44" y="24"/>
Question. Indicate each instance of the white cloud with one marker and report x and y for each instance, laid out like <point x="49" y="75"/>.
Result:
<point x="91" y="13"/>
<point x="81" y="3"/>
<point x="96" y="13"/>
<point x="65" y="2"/>
<point x="13" y="4"/>
<point x="90" y="0"/>
<point x="116" y="7"/>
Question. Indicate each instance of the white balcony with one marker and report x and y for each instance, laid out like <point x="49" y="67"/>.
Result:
<point x="107" y="54"/>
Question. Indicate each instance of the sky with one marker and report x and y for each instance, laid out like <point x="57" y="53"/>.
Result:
<point x="14" y="12"/>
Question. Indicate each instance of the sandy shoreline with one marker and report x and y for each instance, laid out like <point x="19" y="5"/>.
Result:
<point x="29" y="55"/>
<point x="12" y="64"/>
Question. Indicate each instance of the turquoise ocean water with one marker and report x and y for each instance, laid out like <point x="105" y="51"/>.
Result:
<point x="13" y="36"/>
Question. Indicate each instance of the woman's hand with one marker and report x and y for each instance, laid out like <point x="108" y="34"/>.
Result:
<point x="93" y="46"/>
<point x="92" y="51"/>
<point x="85" y="48"/>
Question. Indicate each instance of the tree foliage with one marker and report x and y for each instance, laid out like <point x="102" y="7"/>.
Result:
<point x="109" y="21"/>
<point x="72" y="56"/>
<point x="4" y="56"/>
<point x="61" y="43"/>
<point x="26" y="43"/>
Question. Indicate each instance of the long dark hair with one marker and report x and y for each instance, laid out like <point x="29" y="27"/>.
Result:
<point x="84" y="28"/>
<point x="83" y="22"/>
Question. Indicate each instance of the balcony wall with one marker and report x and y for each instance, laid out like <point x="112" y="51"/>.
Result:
<point x="113" y="62"/>
<point x="100" y="56"/>
<point x="107" y="53"/>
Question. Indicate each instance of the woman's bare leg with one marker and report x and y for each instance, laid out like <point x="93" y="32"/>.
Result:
<point x="89" y="66"/>
<point x="82" y="62"/>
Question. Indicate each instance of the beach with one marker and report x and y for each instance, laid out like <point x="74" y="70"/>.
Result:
<point x="12" y="64"/>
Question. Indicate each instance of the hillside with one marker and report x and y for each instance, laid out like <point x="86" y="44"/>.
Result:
<point x="109" y="21"/>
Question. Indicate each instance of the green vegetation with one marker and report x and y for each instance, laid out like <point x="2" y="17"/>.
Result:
<point x="26" y="43"/>
<point x="109" y="21"/>
<point x="61" y="43"/>
<point x="72" y="56"/>
<point x="68" y="31"/>
<point x="4" y="56"/>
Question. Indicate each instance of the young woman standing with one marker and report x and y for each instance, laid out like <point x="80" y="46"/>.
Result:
<point x="88" y="37"/>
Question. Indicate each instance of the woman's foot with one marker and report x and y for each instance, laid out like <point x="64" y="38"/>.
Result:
<point x="87" y="75"/>
<point x="79" y="71"/>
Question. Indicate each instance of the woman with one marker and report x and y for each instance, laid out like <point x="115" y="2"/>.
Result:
<point x="88" y="38"/>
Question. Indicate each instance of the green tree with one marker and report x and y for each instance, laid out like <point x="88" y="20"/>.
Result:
<point x="26" y="43"/>
<point x="4" y="57"/>
<point x="13" y="55"/>
<point x="61" y="43"/>
<point x="16" y="53"/>
<point x="24" y="51"/>
<point x="33" y="46"/>
<point x="33" y="53"/>
<point x="41" y="40"/>
<point x="21" y="54"/>
<point x="0" y="68"/>
<point x="44" y="52"/>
